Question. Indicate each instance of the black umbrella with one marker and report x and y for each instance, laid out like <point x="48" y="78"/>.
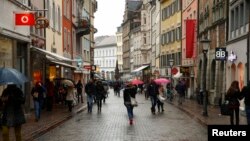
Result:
<point x="11" y="76"/>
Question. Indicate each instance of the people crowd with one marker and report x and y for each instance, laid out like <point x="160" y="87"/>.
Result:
<point x="50" y="93"/>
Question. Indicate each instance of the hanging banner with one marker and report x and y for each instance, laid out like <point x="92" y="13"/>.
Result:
<point x="190" y="30"/>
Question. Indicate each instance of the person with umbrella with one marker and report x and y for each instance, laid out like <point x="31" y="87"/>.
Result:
<point x="13" y="115"/>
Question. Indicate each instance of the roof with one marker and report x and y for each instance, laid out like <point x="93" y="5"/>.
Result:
<point x="134" y="5"/>
<point x="107" y="40"/>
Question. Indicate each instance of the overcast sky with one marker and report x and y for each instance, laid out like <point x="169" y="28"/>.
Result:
<point x="109" y="16"/>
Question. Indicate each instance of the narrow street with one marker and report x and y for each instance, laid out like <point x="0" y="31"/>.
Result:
<point x="112" y="124"/>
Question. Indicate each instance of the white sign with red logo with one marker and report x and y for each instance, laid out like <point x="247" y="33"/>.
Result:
<point x="26" y="18"/>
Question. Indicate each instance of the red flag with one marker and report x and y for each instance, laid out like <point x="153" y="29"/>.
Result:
<point x="190" y="27"/>
<point x="25" y="19"/>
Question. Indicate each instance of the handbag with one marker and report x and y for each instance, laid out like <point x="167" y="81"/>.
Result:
<point x="161" y="98"/>
<point x="35" y="94"/>
<point x="225" y="109"/>
<point x="133" y="102"/>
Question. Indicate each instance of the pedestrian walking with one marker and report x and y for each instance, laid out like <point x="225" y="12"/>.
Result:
<point x="11" y="101"/>
<point x="79" y="87"/>
<point x="233" y="95"/>
<point x="153" y="92"/>
<point x="145" y="90"/>
<point x="245" y="93"/>
<point x="181" y="89"/>
<point x="100" y="94"/>
<point x="37" y="93"/>
<point x="169" y="93"/>
<point x="160" y="99"/>
<point x="90" y="90"/>
<point x="117" y="88"/>
<point x="70" y="97"/>
<point x="106" y="88"/>
<point x="129" y="92"/>
<point x="50" y="92"/>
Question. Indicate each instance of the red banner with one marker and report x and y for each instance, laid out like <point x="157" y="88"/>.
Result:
<point x="190" y="31"/>
<point x="24" y="19"/>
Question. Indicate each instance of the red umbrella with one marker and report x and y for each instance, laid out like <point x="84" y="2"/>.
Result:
<point x="162" y="81"/>
<point x="136" y="82"/>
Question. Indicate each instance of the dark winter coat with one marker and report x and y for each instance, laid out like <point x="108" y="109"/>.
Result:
<point x="153" y="89"/>
<point x="233" y="98"/>
<point x="13" y="113"/>
<point x="100" y="91"/>
<point x="40" y="91"/>
<point x="129" y="92"/>
<point x="245" y="93"/>
<point x="90" y="88"/>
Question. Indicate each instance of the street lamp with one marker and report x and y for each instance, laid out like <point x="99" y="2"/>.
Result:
<point x="205" y="43"/>
<point x="171" y="63"/>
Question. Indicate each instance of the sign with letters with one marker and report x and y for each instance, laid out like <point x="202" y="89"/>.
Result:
<point x="220" y="54"/>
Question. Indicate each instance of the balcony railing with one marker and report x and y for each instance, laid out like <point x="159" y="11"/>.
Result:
<point x="83" y="26"/>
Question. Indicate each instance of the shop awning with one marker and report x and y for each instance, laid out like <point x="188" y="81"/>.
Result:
<point x="64" y="64"/>
<point x="140" y="68"/>
<point x="97" y="76"/>
<point x="51" y="54"/>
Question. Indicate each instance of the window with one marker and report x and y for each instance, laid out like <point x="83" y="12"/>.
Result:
<point x="232" y="20"/>
<point x="69" y="42"/>
<point x="242" y="15"/>
<point x="59" y="19"/>
<point x="236" y="17"/>
<point x="68" y="9"/>
<point x="48" y="7"/>
<point x="53" y="14"/>
<point x="65" y="8"/>
<point x="65" y="39"/>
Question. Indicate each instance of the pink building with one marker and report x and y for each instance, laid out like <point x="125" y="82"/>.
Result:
<point x="189" y="46"/>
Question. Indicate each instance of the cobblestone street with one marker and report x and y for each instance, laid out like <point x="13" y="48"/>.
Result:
<point x="112" y="124"/>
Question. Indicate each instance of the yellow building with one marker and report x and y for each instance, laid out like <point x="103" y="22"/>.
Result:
<point x="170" y="34"/>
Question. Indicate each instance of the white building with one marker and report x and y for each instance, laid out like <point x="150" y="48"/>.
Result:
<point x="119" y="48"/>
<point x="105" y="56"/>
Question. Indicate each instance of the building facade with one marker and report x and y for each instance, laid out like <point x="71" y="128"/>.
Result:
<point x="106" y="56"/>
<point x="189" y="43"/>
<point x="237" y="67"/>
<point x="119" y="48"/>
<point x="212" y="26"/>
<point x="15" y="41"/>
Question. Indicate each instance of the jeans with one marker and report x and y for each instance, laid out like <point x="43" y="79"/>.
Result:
<point x="236" y="112"/>
<point x="153" y="102"/>
<point x="38" y="107"/>
<point x="247" y="108"/>
<point x="181" y="98"/>
<point x="5" y="130"/>
<point x="99" y="104"/>
<point x="90" y="100"/>
<point x="130" y="111"/>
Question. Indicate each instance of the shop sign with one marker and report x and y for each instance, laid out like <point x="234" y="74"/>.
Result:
<point x="220" y="54"/>
<point x="232" y="57"/>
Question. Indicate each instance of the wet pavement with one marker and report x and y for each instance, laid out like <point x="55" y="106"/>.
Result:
<point x="111" y="124"/>
<point x="49" y="120"/>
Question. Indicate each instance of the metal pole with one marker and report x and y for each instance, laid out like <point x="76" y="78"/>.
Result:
<point x="171" y="79"/>
<point x="204" y="84"/>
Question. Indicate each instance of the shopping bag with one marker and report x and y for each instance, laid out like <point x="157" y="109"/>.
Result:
<point x="225" y="110"/>
<point x="161" y="98"/>
<point x="133" y="102"/>
<point x="35" y="94"/>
